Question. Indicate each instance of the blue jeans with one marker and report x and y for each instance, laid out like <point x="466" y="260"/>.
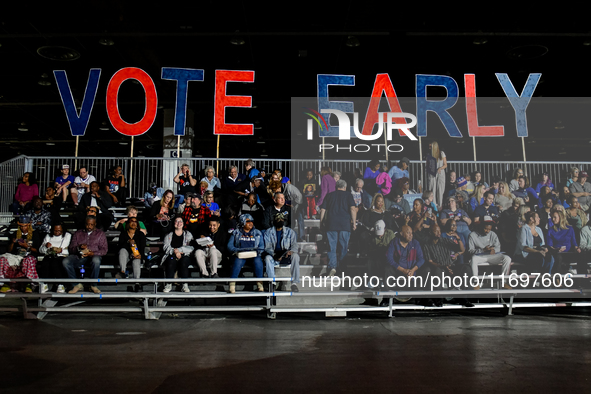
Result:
<point x="342" y="238"/>
<point x="239" y="263"/>
<point x="92" y="266"/>
<point x="294" y="260"/>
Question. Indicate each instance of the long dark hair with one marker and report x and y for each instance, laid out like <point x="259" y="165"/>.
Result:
<point x="32" y="179"/>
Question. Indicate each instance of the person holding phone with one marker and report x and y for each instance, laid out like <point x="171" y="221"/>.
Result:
<point x="185" y="180"/>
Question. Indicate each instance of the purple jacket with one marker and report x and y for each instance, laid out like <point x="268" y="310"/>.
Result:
<point x="328" y="185"/>
<point x="96" y="241"/>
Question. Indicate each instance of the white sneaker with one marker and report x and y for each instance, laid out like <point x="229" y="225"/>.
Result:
<point x="167" y="288"/>
<point x="332" y="272"/>
<point x="572" y="270"/>
<point x="61" y="289"/>
<point x="185" y="288"/>
<point x="44" y="288"/>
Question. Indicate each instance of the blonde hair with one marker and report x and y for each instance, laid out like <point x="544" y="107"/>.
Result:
<point x="373" y="202"/>
<point x="519" y="200"/>
<point x="572" y="171"/>
<point x="563" y="223"/>
<point x="507" y="193"/>
<point x="478" y="193"/>
<point x="435" y="152"/>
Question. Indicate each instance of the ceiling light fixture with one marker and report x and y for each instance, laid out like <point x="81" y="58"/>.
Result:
<point x="44" y="81"/>
<point x="106" y="42"/>
<point x="352" y="42"/>
<point x="237" y="40"/>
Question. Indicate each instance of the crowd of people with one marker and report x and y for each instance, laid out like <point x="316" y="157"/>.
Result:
<point x="456" y="224"/>
<point x="238" y="219"/>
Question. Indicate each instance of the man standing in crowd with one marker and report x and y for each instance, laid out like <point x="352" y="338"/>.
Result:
<point x="87" y="248"/>
<point x="81" y="185"/>
<point x="64" y="182"/>
<point x="582" y="190"/>
<point x="340" y="208"/>
<point x="281" y="247"/>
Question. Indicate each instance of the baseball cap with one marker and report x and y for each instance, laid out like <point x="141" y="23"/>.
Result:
<point x="462" y="181"/>
<point x="583" y="174"/>
<point x="380" y="227"/>
<point x="65" y="167"/>
<point x="488" y="219"/>
<point x="190" y="194"/>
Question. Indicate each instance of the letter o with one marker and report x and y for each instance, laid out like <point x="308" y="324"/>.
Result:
<point x="138" y="128"/>
<point x="395" y="151"/>
<point x="355" y="148"/>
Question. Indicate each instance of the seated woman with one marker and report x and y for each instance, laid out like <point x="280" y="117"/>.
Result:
<point x="450" y="231"/>
<point x="404" y="185"/>
<point x="246" y="244"/>
<point x="177" y="252"/>
<point x="55" y="248"/>
<point x="562" y="242"/>
<point x="457" y="215"/>
<point x="504" y="198"/>
<point x="162" y="213"/>
<point x="25" y="191"/>
<point x="253" y="208"/>
<point x="203" y="187"/>
<point x="478" y="197"/>
<point x="514" y="184"/>
<point x="131" y="212"/>
<point x="545" y="191"/>
<point x="478" y="181"/>
<point x="212" y="181"/>
<point x="20" y="261"/>
<point x="573" y="176"/>
<point x="531" y="248"/>
<point x="575" y="216"/>
<point x="546" y="215"/>
<point x="132" y="244"/>
<point x="545" y="181"/>
<point x="564" y="196"/>
<point x="420" y="214"/>
<point x="529" y="195"/>
<point x="377" y="212"/>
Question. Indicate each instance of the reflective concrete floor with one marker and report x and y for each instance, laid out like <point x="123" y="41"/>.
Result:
<point x="533" y="351"/>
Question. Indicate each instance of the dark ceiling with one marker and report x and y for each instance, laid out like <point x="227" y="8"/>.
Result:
<point x="287" y="46"/>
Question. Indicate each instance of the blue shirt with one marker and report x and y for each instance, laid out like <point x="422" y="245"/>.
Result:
<point x="397" y="173"/>
<point x="560" y="238"/>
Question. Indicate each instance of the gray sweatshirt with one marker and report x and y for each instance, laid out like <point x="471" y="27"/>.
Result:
<point x="477" y="242"/>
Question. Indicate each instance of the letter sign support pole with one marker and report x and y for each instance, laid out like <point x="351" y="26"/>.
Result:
<point x="76" y="153"/>
<point x="474" y="144"/>
<point x="217" y="163"/>
<point x="523" y="146"/>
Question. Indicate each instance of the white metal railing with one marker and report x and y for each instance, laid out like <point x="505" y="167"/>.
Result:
<point x="140" y="172"/>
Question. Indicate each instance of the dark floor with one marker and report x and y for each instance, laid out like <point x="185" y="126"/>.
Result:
<point x="534" y="351"/>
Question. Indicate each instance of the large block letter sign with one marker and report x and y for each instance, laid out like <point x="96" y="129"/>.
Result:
<point x="222" y="77"/>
